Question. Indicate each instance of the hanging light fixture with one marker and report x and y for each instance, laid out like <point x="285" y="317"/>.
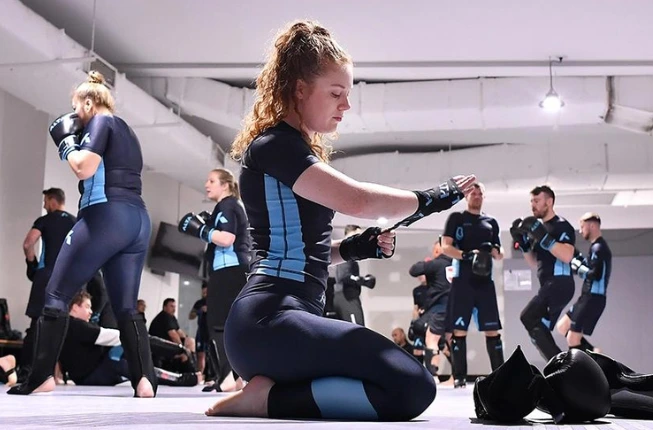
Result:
<point x="552" y="101"/>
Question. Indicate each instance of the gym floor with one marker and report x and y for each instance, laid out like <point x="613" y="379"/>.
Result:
<point x="180" y="407"/>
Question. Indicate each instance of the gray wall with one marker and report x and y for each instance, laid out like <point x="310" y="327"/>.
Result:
<point x="620" y="332"/>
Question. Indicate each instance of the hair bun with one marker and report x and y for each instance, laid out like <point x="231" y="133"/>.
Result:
<point x="95" y="77"/>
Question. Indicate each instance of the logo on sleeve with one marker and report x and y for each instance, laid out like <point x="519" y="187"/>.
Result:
<point x="220" y="219"/>
<point x="85" y="139"/>
<point x="563" y="236"/>
<point x="69" y="237"/>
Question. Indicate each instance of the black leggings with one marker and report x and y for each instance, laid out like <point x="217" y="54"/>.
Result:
<point x="113" y="236"/>
<point x="323" y="368"/>
<point x="348" y="309"/>
<point x="224" y="286"/>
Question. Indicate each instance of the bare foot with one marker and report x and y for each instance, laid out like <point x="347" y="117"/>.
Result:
<point x="229" y="384"/>
<point x="46" y="387"/>
<point x="200" y="377"/>
<point x="6" y="363"/>
<point x="448" y="382"/>
<point x="144" y="388"/>
<point x="240" y="384"/>
<point x="251" y="401"/>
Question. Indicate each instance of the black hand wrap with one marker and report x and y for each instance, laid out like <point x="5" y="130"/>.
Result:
<point x="434" y="200"/>
<point x="32" y="267"/>
<point x="362" y="246"/>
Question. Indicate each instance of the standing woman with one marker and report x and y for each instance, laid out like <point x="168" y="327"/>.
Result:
<point x="298" y="363"/>
<point x="228" y="256"/>
<point x="112" y="232"/>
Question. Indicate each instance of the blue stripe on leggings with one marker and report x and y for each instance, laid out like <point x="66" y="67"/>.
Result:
<point x="342" y="398"/>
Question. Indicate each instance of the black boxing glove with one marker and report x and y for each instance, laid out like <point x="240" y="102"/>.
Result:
<point x="65" y="132"/>
<point x="205" y="215"/>
<point x="369" y="281"/>
<point x="631" y="392"/>
<point x="32" y="266"/>
<point x="362" y="246"/>
<point x="482" y="261"/>
<point x="536" y="231"/>
<point x="579" y="384"/>
<point x="512" y="391"/>
<point x="520" y="239"/>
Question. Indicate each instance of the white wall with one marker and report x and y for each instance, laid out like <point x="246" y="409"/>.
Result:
<point x="23" y="131"/>
<point x="166" y="201"/>
<point x="29" y="163"/>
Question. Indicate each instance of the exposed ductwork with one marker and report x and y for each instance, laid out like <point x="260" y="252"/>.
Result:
<point x="412" y="106"/>
<point x="41" y="65"/>
<point x="583" y="167"/>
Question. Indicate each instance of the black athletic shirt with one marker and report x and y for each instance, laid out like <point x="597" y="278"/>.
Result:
<point x="291" y="235"/>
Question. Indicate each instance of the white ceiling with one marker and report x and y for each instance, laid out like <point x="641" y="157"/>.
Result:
<point x="388" y="40"/>
<point x="404" y="42"/>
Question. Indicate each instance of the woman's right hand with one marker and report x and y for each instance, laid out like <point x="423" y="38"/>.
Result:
<point x="465" y="183"/>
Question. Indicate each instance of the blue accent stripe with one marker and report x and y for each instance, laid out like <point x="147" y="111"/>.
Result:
<point x="561" y="268"/>
<point x="224" y="257"/>
<point x="286" y="258"/>
<point x="547" y="323"/>
<point x="475" y="318"/>
<point x="342" y="398"/>
<point x="94" y="191"/>
<point x="598" y="287"/>
<point x="456" y="267"/>
<point x="41" y="264"/>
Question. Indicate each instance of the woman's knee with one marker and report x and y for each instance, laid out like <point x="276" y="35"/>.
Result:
<point x="418" y="394"/>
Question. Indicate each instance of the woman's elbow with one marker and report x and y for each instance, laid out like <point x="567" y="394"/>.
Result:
<point x="82" y="175"/>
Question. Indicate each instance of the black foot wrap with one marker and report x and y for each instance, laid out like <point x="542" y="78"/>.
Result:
<point x="173" y="379"/>
<point x="4" y="375"/>
<point x="428" y="356"/>
<point x="459" y="352"/>
<point x="542" y="339"/>
<point x="494" y="350"/>
<point x="136" y="343"/>
<point x="51" y="330"/>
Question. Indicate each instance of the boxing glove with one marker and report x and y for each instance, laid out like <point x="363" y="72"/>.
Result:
<point x="482" y="261"/>
<point x="579" y="384"/>
<point x="631" y="392"/>
<point x="417" y="329"/>
<point x="578" y="267"/>
<point x="512" y="391"/>
<point x="206" y="216"/>
<point x="536" y="231"/>
<point x="193" y="225"/>
<point x="65" y="132"/>
<point x="520" y="239"/>
<point x="32" y="267"/>
<point x="362" y="246"/>
<point x="369" y="281"/>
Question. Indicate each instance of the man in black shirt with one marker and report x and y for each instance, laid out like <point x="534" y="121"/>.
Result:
<point x="93" y="355"/>
<point x="166" y="326"/>
<point x="347" y="289"/>
<point x="471" y="238"/>
<point x="432" y="303"/>
<point x="547" y="242"/>
<point x="595" y="270"/>
<point x="51" y="229"/>
<point x="399" y="338"/>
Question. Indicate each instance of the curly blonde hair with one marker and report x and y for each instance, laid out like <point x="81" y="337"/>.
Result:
<point x="95" y="89"/>
<point x="301" y="51"/>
